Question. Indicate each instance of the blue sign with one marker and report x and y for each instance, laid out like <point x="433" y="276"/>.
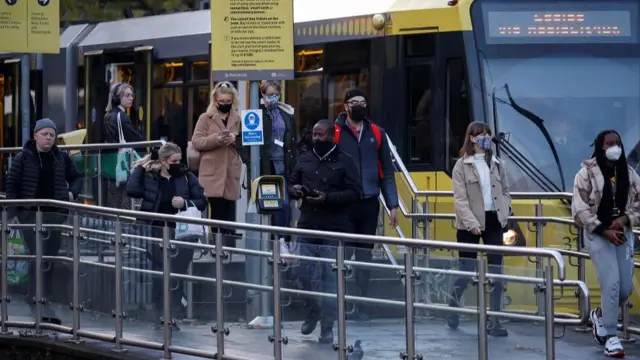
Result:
<point x="252" y="127"/>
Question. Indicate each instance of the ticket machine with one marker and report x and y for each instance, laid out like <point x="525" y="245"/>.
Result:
<point x="267" y="194"/>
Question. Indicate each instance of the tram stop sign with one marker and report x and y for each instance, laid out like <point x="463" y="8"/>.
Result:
<point x="252" y="130"/>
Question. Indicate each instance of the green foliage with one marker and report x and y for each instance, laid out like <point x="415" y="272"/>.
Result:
<point x="107" y="10"/>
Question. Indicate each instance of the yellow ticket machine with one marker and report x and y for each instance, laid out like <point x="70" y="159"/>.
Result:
<point x="267" y="194"/>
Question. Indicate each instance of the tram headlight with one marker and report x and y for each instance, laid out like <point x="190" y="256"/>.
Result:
<point x="510" y="238"/>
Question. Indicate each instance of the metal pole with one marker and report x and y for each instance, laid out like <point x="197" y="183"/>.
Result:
<point x="219" y="297"/>
<point x="76" y="307"/>
<point x="408" y="294"/>
<point x="548" y="314"/>
<point x="4" y="306"/>
<point x="99" y="177"/>
<point x="264" y="268"/>
<point x="254" y="103"/>
<point x="167" y="321"/>
<point x="118" y="314"/>
<point x="38" y="299"/>
<point x="342" y="323"/>
<point x="277" y="318"/>
<point x="626" y="335"/>
<point x="539" y="266"/>
<point x="25" y="97"/>
<point x="190" y="292"/>
<point x="582" y="275"/>
<point x="483" y="349"/>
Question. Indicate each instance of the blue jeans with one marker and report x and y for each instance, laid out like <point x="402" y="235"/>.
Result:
<point x="282" y="217"/>
<point x="320" y="277"/>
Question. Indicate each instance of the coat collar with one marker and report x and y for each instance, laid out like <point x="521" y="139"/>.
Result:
<point x="216" y="117"/>
<point x="468" y="159"/>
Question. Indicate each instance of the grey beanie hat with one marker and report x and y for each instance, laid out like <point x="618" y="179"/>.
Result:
<point x="43" y="124"/>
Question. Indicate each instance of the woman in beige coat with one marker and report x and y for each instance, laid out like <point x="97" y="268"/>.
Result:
<point x="482" y="205"/>
<point x="216" y="138"/>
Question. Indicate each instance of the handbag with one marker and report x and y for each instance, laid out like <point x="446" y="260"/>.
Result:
<point x="193" y="157"/>
<point x="185" y="230"/>
<point x="124" y="159"/>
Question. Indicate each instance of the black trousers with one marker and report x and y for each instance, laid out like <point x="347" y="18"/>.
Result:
<point x="492" y="235"/>
<point x="51" y="241"/>
<point x="181" y="258"/>
<point x="224" y="210"/>
<point x="364" y="221"/>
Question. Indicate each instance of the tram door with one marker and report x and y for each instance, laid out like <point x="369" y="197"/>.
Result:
<point x="105" y="69"/>
<point x="10" y="132"/>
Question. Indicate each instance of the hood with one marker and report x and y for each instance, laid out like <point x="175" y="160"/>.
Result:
<point x="30" y="145"/>
<point x="342" y="119"/>
<point x="286" y="108"/>
<point x="589" y="163"/>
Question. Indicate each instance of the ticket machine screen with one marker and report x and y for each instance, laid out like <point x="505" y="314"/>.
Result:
<point x="269" y="190"/>
<point x="270" y="198"/>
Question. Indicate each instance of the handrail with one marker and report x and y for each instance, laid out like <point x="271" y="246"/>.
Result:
<point x="103" y="146"/>
<point x="297" y="232"/>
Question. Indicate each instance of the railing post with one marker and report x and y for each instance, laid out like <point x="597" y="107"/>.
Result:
<point x="539" y="263"/>
<point x="277" y="338"/>
<point x="409" y="307"/>
<point x="549" y="314"/>
<point x="118" y="314"/>
<point x="582" y="274"/>
<point x="167" y="321"/>
<point x="341" y="346"/>
<point x="76" y="307"/>
<point x="426" y="233"/>
<point x="219" y="327"/>
<point x="4" y="301"/>
<point x="99" y="177"/>
<point x="626" y="335"/>
<point x="483" y="349"/>
<point x="39" y="298"/>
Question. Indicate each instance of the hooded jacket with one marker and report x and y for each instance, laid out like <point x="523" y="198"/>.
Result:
<point x="366" y="154"/>
<point x="290" y="140"/>
<point x="24" y="175"/>
<point x="588" y="186"/>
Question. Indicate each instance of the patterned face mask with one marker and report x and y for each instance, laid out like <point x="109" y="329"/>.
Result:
<point x="483" y="141"/>
<point x="273" y="99"/>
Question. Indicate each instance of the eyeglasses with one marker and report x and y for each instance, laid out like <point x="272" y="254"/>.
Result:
<point x="128" y="95"/>
<point x="357" y="103"/>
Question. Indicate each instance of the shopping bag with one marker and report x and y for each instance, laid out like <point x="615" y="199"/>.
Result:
<point x="185" y="230"/>
<point x="123" y="161"/>
<point x="193" y="157"/>
<point x="17" y="270"/>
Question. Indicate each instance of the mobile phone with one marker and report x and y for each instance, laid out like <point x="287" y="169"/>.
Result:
<point x="308" y="193"/>
<point x="622" y="237"/>
<point x="225" y="132"/>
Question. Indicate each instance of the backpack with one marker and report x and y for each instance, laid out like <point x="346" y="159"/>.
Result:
<point x="377" y="133"/>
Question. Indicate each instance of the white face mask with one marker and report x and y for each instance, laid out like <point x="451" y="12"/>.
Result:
<point x="613" y="153"/>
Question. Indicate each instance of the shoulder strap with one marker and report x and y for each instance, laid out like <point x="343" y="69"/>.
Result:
<point x="336" y="135"/>
<point x="377" y="133"/>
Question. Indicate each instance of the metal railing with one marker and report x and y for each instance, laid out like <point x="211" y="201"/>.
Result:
<point x="408" y="271"/>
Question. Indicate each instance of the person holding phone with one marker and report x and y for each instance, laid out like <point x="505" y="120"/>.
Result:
<point x="606" y="205"/>
<point x="326" y="179"/>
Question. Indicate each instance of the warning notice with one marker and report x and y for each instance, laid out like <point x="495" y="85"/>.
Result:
<point x="30" y="26"/>
<point x="252" y="40"/>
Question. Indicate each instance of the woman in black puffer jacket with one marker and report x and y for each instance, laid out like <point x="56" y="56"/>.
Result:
<point x="165" y="187"/>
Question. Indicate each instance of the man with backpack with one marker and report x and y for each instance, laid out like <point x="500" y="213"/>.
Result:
<point x="367" y="144"/>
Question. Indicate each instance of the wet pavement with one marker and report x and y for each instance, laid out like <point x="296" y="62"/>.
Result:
<point x="381" y="339"/>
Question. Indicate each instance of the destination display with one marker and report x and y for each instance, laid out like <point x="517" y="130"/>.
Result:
<point x="593" y="26"/>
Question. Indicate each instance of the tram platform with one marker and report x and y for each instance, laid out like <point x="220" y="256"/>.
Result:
<point x="380" y="339"/>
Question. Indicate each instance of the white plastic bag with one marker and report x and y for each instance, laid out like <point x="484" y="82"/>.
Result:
<point x="184" y="230"/>
<point x="124" y="159"/>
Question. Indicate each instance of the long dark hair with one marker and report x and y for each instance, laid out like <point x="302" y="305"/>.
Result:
<point x="621" y="167"/>
<point x="474" y="129"/>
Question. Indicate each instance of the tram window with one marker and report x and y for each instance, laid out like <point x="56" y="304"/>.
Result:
<point x="81" y="92"/>
<point x="423" y="45"/>
<point x="168" y="72"/>
<point x="305" y="95"/>
<point x="309" y="60"/>
<point x="168" y="114"/>
<point x="200" y="70"/>
<point x="347" y="54"/>
<point x="457" y="107"/>
<point x="420" y="112"/>
<point x="338" y="86"/>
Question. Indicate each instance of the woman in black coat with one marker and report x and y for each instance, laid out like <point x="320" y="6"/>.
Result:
<point x="160" y="180"/>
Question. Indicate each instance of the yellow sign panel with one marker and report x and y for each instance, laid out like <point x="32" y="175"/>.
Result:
<point x="252" y="40"/>
<point x="30" y="26"/>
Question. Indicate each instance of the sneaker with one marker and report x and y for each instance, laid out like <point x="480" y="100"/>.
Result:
<point x="613" y="348"/>
<point x="494" y="328"/>
<point x="453" y="319"/>
<point x="310" y="323"/>
<point x="326" y="335"/>
<point x="599" y="332"/>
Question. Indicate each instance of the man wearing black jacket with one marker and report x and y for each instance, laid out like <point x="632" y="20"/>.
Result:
<point x="42" y="171"/>
<point x="367" y="144"/>
<point x="326" y="179"/>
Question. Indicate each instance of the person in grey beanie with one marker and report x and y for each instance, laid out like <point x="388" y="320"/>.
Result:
<point x="42" y="171"/>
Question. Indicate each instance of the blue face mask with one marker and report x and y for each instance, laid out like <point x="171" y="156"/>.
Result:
<point x="483" y="142"/>
<point x="273" y="100"/>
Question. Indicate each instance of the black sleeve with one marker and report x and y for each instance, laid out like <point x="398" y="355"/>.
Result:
<point x="352" y="189"/>
<point x="196" y="192"/>
<point x="130" y="134"/>
<point x="74" y="177"/>
<point x="135" y="185"/>
<point x="14" y="177"/>
<point x="295" y="178"/>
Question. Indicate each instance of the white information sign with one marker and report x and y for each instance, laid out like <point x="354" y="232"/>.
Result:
<point x="252" y="130"/>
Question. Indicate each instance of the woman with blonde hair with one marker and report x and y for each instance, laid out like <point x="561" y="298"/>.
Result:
<point x="482" y="206"/>
<point x="166" y="187"/>
<point x="216" y="138"/>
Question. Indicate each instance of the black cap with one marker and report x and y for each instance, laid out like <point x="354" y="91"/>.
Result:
<point x="351" y="93"/>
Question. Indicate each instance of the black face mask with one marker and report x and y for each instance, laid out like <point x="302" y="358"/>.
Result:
<point x="358" y="113"/>
<point x="224" y="108"/>
<point x="175" y="169"/>
<point x="322" y="147"/>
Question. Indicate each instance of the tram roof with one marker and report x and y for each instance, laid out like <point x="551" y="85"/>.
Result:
<point x="188" y="34"/>
<point x="70" y="34"/>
